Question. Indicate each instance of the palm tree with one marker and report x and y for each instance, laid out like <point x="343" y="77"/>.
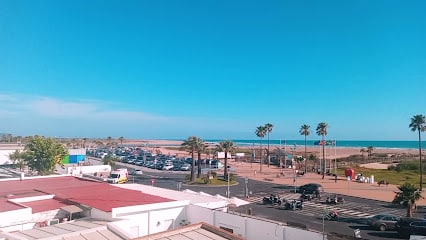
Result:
<point x="407" y="196"/>
<point x="370" y="152"/>
<point x="260" y="132"/>
<point x="268" y="129"/>
<point x="322" y="131"/>
<point x="304" y="130"/>
<point x="18" y="159"/>
<point x="226" y="146"/>
<point x="109" y="138"/>
<point x="84" y="142"/>
<point x="109" y="160"/>
<point x="190" y="145"/>
<point x="362" y="151"/>
<point x="314" y="158"/>
<point x="418" y="123"/>
<point x="121" y="140"/>
<point x="201" y="148"/>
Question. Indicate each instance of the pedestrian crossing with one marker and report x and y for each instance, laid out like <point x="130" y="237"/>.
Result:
<point x="347" y="209"/>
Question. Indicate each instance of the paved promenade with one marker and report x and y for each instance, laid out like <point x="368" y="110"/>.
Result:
<point x="341" y="186"/>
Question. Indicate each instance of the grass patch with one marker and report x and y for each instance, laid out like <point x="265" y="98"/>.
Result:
<point x="212" y="182"/>
<point x="391" y="176"/>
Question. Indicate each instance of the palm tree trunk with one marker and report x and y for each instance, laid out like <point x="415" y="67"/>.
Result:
<point x="323" y="157"/>
<point x="269" y="158"/>
<point x="306" y="157"/>
<point x="261" y="155"/>
<point x="199" y="165"/>
<point x="225" y="173"/>
<point x="409" y="210"/>
<point x="420" y="160"/>
<point x="192" y="167"/>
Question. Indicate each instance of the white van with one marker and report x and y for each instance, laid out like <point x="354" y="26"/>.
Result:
<point x="120" y="175"/>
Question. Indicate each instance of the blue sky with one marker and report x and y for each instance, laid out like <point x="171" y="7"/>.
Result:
<point x="213" y="69"/>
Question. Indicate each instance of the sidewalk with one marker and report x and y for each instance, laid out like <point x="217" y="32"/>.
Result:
<point x="342" y="186"/>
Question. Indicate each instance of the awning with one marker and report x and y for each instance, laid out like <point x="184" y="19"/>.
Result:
<point x="72" y="209"/>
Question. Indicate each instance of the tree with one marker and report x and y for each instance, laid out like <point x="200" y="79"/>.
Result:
<point x="363" y="150"/>
<point x="18" y="158"/>
<point x="418" y="123"/>
<point x="43" y="154"/>
<point x="109" y="139"/>
<point x="370" y="152"/>
<point x="110" y="160"/>
<point x="322" y="131"/>
<point x="304" y="130"/>
<point x="298" y="160"/>
<point x="314" y="158"/>
<point x="268" y="129"/>
<point x="200" y="148"/>
<point x="260" y="132"/>
<point x="407" y="196"/>
<point x="190" y="145"/>
<point x="84" y="142"/>
<point x="121" y="140"/>
<point x="226" y="146"/>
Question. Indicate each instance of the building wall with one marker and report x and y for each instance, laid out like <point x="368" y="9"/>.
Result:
<point x="147" y="219"/>
<point x="4" y="156"/>
<point x="249" y="227"/>
<point x="13" y="220"/>
<point x="88" y="169"/>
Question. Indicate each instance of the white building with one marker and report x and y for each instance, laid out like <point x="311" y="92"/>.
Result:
<point x="51" y="207"/>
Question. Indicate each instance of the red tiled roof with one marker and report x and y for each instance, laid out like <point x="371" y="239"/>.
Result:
<point x="44" y="205"/>
<point x="98" y="195"/>
<point x="8" y="206"/>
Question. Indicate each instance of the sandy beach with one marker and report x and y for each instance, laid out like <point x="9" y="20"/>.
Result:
<point x="331" y="153"/>
<point x="272" y="173"/>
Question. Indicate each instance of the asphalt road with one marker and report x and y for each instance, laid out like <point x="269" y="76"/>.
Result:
<point x="353" y="212"/>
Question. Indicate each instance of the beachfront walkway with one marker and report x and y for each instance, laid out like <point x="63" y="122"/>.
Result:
<point x="342" y="186"/>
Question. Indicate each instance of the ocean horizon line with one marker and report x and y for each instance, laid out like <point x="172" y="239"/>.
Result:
<point x="391" y="144"/>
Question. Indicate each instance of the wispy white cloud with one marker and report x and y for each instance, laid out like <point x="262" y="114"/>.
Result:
<point x="29" y="114"/>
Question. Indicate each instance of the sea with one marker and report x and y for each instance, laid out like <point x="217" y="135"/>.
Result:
<point x="338" y="143"/>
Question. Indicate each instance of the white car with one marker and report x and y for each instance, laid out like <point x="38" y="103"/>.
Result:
<point x="168" y="166"/>
<point x="136" y="172"/>
<point x="185" y="167"/>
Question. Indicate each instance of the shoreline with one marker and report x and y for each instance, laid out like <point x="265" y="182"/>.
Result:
<point x="331" y="151"/>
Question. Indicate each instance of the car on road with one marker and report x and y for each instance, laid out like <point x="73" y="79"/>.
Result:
<point x="382" y="222"/>
<point x="411" y="226"/>
<point x="311" y="188"/>
<point x="136" y="172"/>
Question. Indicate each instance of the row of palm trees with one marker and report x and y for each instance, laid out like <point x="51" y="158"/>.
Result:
<point x="196" y="145"/>
<point x="418" y="123"/>
<point x="261" y="131"/>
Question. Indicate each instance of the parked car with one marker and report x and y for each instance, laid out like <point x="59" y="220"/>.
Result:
<point x="168" y="166"/>
<point x="185" y="167"/>
<point x="311" y="188"/>
<point x="382" y="222"/>
<point x="411" y="226"/>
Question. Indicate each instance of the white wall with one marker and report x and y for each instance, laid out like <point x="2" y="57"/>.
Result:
<point x="15" y="217"/>
<point x="4" y="156"/>
<point x="96" y="213"/>
<point x="249" y="227"/>
<point x="88" y="169"/>
<point x="147" y="219"/>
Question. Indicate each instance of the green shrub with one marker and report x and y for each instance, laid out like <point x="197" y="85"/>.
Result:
<point x="410" y="166"/>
